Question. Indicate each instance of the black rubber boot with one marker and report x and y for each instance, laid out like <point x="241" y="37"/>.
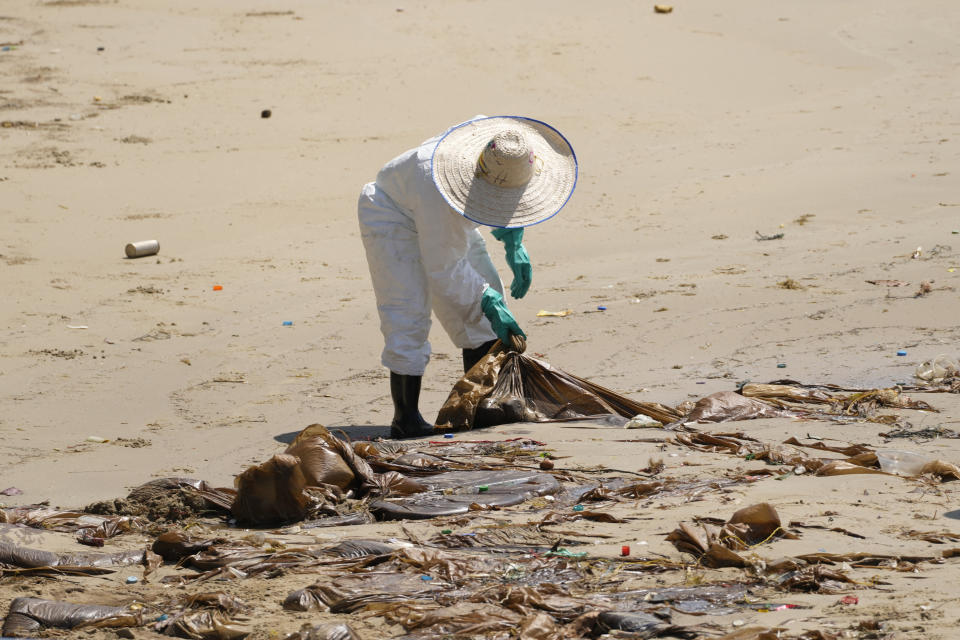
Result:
<point x="473" y="356"/>
<point x="407" y="421"/>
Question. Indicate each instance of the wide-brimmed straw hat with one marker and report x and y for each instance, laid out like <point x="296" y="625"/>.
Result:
<point x="505" y="171"/>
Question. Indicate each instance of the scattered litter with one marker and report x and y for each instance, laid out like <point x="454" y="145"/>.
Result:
<point x="888" y="283"/>
<point x="554" y="314"/>
<point x="775" y="236"/>
<point x="520" y="575"/>
<point x="662" y="8"/>
<point x="97" y="439"/>
<point x="287" y="323"/>
<point x="901" y="352"/>
<point x="781" y="365"/>
<point x="218" y="287"/>
<point x="917" y="253"/>
<point x="266" y="113"/>
<point x="849" y="600"/>
<point x="11" y="491"/>
<point x="77" y="326"/>
<point x="601" y="308"/>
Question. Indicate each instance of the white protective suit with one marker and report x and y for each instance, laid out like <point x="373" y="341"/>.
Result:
<point x="422" y="254"/>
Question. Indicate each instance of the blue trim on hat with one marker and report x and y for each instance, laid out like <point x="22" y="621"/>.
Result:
<point x="576" y="169"/>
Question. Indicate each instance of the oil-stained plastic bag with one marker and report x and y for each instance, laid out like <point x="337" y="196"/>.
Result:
<point x="349" y="593"/>
<point x="38" y="561"/>
<point x="746" y="528"/>
<point x="726" y="406"/>
<point x="28" y="616"/>
<point x="328" y="631"/>
<point x="206" y="625"/>
<point x="315" y="469"/>
<point x="272" y="492"/>
<point x="506" y="387"/>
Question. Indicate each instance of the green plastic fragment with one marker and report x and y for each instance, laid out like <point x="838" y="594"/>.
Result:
<point x="446" y="531"/>
<point x="483" y="488"/>
<point x="564" y="553"/>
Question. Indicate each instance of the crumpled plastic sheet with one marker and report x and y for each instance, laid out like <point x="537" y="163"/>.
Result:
<point x="29" y="616"/>
<point x="515" y="537"/>
<point x="273" y="491"/>
<point x="206" y="625"/>
<point x="464" y="619"/>
<point x="748" y="527"/>
<point x="17" y="559"/>
<point x="349" y="593"/>
<point x="225" y="559"/>
<point x="935" y="537"/>
<point x="725" y="406"/>
<point x="388" y="456"/>
<point x="204" y="616"/>
<point x="639" y="622"/>
<point x="529" y="599"/>
<point x="328" y="631"/>
<point x="862" y="403"/>
<point x="239" y="561"/>
<point x="41" y="517"/>
<point x="775" y="633"/>
<point x="360" y="549"/>
<point x="707" y="599"/>
<point x="506" y="387"/>
<point x="316" y="471"/>
<point x="814" y="579"/>
<point x="476" y="620"/>
<point x="457" y="492"/>
<point x="173" y="546"/>
<point x="862" y="460"/>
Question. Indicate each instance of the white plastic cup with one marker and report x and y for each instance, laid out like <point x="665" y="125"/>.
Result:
<point x="142" y="248"/>
<point x="902" y="463"/>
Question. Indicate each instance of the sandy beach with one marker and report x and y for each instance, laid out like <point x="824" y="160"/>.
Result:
<point x="746" y="169"/>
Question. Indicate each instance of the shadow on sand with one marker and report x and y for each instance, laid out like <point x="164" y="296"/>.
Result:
<point x="354" y="432"/>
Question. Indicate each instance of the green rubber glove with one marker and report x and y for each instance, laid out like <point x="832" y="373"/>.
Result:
<point x="500" y="318"/>
<point x="518" y="260"/>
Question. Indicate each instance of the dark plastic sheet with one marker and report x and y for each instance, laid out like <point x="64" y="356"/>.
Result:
<point x="28" y="616"/>
<point x="506" y="387"/>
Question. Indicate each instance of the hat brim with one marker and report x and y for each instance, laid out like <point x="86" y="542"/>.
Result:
<point x="454" y="168"/>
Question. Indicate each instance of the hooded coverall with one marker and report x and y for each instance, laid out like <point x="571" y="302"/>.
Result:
<point x="422" y="253"/>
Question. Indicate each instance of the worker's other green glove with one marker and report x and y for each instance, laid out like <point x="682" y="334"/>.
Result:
<point x="500" y="318"/>
<point x="518" y="260"/>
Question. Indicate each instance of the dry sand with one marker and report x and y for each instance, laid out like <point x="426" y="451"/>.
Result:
<point x="835" y="124"/>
